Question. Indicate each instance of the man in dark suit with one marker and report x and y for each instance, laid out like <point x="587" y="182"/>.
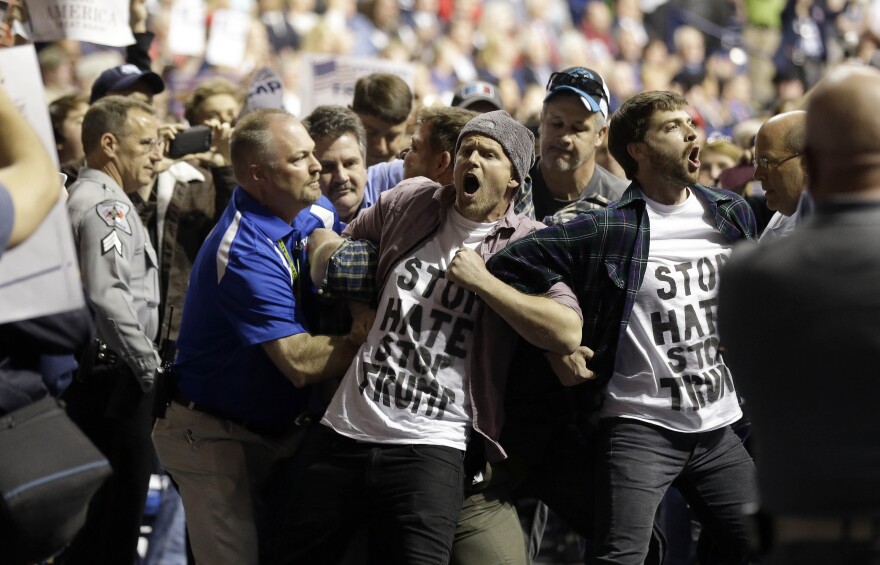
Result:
<point x="800" y="320"/>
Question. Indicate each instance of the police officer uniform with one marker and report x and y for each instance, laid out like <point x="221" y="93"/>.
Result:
<point x="108" y="400"/>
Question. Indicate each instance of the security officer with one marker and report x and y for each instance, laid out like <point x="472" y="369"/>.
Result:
<point x="246" y="355"/>
<point x="111" y="400"/>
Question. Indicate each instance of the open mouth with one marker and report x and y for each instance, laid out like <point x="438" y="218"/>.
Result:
<point x="471" y="184"/>
<point x="694" y="157"/>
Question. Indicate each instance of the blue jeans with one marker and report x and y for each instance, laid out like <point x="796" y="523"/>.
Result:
<point x="408" y="497"/>
<point x="637" y="462"/>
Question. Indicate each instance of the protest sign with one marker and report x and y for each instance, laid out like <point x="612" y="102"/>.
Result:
<point x="40" y="276"/>
<point x="104" y="22"/>
<point x="227" y="40"/>
<point x="329" y="79"/>
<point x="186" y="28"/>
<point x="265" y="91"/>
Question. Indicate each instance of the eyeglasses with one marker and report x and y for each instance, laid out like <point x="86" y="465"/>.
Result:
<point x="765" y="163"/>
<point x="580" y="78"/>
<point x="147" y="145"/>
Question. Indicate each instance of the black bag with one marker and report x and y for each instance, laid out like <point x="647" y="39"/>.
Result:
<point x="49" y="471"/>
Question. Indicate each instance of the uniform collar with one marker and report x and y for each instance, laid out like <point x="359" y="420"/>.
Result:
<point x="98" y="176"/>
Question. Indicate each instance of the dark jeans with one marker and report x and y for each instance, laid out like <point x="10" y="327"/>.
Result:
<point x="636" y="464"/>
<point x="407" y="496"/>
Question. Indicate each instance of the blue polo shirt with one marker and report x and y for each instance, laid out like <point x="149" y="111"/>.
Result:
<point x="242" y="294"/>
<point x="381" y="177"/>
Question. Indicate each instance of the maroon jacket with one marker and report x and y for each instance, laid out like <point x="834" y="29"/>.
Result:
<point x="400" y="222"/>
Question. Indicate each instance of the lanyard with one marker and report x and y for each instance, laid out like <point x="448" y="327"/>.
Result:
<point x="293" y="265"/>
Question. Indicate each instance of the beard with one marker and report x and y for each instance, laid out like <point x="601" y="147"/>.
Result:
<point x="671" y="166"/>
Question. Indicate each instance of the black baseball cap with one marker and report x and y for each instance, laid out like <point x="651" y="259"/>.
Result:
<point x="124" y="77"/>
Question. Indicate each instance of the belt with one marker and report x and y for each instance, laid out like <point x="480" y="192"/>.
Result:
<point x="791" y="529"/>
<point x="303" y="419"/>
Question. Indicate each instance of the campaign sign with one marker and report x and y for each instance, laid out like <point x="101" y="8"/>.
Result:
<point x="104" y="22"/>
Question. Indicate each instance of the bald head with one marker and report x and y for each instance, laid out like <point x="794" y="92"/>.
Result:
<point x="779" y="149"/>
<point x="789" y="129"/>
<point x="843" y="133"/>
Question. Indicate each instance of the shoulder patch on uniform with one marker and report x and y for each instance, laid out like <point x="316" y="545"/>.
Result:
<point x="323" y="214"/>
<point x="111" y="242"/>
<point x="115" y="214"/>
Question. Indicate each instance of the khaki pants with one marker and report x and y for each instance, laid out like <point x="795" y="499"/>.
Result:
<point x="488" y="531"/>
<point x="221" y="470"/>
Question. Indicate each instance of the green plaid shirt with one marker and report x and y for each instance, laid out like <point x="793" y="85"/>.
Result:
<point x="602" y="256"/>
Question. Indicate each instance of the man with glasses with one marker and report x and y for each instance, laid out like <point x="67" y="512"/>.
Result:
<point x="805" y="349"/>
<point x="566" y="178"/>
<point x="645" y="270"/>
<point x="111" y="399"/>
<point x="780" y="167"/>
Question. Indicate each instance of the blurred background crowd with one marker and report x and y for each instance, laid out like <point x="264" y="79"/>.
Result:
<point x="737" y="62"/>
<point x="733" y="59"/>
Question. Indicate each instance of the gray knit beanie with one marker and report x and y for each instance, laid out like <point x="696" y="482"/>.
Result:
<point x="516" y="139"/>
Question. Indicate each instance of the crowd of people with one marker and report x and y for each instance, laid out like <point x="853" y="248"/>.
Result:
<point x="601" y="258"/>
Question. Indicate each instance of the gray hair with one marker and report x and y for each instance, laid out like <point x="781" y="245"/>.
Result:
<point x="331" y="122"/>
<point x="109" y="115"/>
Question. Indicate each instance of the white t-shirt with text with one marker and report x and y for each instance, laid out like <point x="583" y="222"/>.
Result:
<point x="407" y="383"/>
<point x="669" y="371"/>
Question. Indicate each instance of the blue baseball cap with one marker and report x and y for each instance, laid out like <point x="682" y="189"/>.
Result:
<point x="122" y="78"/>
<point x="586" y="83"/>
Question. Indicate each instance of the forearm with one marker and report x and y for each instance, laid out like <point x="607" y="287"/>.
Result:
<point x="26" y="170"/>
<point x="307" y="359"/>
<point x="322" y="244"/>
<point x="540" y="320"/>
<point x="124" y="334"/>
<point x="344" y="269"/>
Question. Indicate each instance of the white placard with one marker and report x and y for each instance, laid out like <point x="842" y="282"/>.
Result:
<point x="227" y="39"/>
<point x="329" y="79"/>
<point x="40" y="276"/>
<point x="104" y="22"/>
<point x="265" y="91"/>
<point x="186" y="28"/>
<point x="20" y="78"/>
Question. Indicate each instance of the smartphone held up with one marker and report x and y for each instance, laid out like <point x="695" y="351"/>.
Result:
<point x="196" y="139"/>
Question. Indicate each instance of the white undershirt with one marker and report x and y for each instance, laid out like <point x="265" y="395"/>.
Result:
<point x="407" y="383"/>
<point x="668" y="370"/>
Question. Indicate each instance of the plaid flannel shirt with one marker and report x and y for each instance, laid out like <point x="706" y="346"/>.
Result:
<point x="602" y="255"/>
